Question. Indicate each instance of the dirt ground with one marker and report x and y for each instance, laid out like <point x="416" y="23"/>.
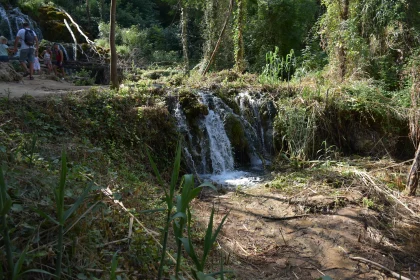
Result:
<point x="270" y="234"/>
<point x="42" y="85"/>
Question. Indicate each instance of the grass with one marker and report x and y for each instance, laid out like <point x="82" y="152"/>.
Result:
<point x="107" y="135"/>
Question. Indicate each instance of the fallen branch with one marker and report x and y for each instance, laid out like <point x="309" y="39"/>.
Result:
<point x="370" y="182"/>
<point x="393" y="273"/>
<point x="274" y="218"/>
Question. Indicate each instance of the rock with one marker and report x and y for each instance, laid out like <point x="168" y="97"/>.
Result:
<point x="8" y="74"/>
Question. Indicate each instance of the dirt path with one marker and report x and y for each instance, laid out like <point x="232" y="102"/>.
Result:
<point x="42" y="85"/>
<point x="270" y="235"/>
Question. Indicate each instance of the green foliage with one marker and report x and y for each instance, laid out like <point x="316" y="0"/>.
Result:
<point x="368" y="203"/>
<point x="181" y="219"/>
<point x="84" y="78"/>
<point x="151" y="44"/>
<point x="278" y="68"/>
<point x="281" y="23"/>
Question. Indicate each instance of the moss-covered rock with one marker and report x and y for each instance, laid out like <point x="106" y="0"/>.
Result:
<point x="51" y="22"/>
<point x="191" y="106"/>
<point x="238" y="140"/>
<point x="228" y="97"/>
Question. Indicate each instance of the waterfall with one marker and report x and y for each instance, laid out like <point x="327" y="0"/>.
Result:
<point x="208" y="147"/>
<point x="5" y="23"/>
<point x="63" y="49"/>
<point x="11" y="21"/>
<point x="219" y="144"/>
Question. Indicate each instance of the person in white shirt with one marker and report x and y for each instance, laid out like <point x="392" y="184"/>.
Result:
<point x="28" y="50"/>
<point x="4" y="50"/>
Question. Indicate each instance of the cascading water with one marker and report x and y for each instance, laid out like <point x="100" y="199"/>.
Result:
<point x="209" y="149"/>
<point x="219" y="144"/>
<point x="11" y="21"/>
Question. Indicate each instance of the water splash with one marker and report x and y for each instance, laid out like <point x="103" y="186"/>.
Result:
<point x="208" y="150"/>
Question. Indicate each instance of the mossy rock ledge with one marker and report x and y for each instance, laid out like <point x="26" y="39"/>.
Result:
<point x="238" y="140"/>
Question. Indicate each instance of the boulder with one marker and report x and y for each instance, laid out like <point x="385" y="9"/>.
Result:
<point x="8" y="73"/>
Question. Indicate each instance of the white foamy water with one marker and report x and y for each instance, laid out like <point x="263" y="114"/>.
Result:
<point x="233" y="178"/>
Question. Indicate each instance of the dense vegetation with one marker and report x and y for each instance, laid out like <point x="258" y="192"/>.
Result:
<point x="343" y="76"/>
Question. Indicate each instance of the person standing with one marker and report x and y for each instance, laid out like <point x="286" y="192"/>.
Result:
<point x="59" y="58"/>
<point x="4" y="50"/>
<point x="46" y="55"/>
<point x="28" y="48"/>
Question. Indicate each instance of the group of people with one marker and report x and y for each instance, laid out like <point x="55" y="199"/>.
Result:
<point x="28" y="53"/>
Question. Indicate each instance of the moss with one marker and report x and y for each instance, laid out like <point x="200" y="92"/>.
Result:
<point x="238" y="140"/>
<point x="191" y="106"/>
<point x="228" y="97"/>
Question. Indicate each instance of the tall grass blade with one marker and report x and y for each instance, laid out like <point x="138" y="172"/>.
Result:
<point x="60" y="189"/>
<point x="18" y="265"/>
<point x="60" y="212"/>
<point x="155" y="170"/>
<point x="46" y="216"/>
<point x="5" y="204"/>
<point x="169" y="201"/>
<point x="78" y="202"/>
<point x="175" y="172"/>
<point x="114" y="265"/>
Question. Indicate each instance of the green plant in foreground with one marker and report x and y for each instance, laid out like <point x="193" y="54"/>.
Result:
<point x="181" y="220"/>
<point x="5" y="205"/>
<point x="62" y="215"/>
<point x="15" y="270"/>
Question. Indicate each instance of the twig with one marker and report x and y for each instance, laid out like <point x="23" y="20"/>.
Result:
<point x="112" y="242"/>
<point x="81" y="217"/>
<point x="284" y="240"/>
<point x="394" y="274"/>
<point x="284" y="218"/>
<point x="367" y="179"/>
<point x="108" y="193"/>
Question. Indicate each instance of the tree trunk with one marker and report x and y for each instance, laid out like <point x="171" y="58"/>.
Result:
<point x="184" y="35"/>
<point x="113" y="66"/>
<point x="414" y="118"/>
<point x="219" y="40"/>
<point x="341" y="49"/>
<point x="413" y="175"/>
<point x="238" y="39"/>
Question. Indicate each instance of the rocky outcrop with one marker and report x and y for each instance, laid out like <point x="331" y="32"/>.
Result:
<point x="8" y="74"/>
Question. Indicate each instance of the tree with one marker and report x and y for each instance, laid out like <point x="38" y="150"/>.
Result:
<point x="113" y="65"/>
<point x="414" y="117"/>
<point x="184" y="36"/>
<point x="238" y="36"/>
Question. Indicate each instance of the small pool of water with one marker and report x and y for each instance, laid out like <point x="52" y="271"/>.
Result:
<point x="236" y="178"/>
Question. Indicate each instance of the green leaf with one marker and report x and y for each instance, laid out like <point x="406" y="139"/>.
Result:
<point x="18" y="265"/>
<point x="114" y="264"/>
<point x="17" y="208"/>
<point x="189" y="248"/>
<point x="45" y="215"/>
<point x="6" y="207"/>
<point x="178" y="215"/>
<point x="76" y="205"/>
<point x="195" y="192"/>
<point x="175" y="171"/>
<point x="157" y="174"/>
<point x="208" y="184"/>
<point x="208" y="236"/>
<point x="37" y="271"/>
<point x="81" y="276"/>
<point x="202" y="276"/>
